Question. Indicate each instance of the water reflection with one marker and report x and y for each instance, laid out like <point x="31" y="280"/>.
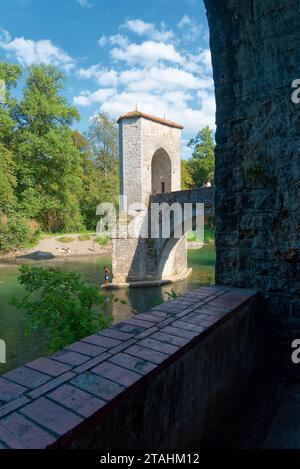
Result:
<point x="21" y="349"/>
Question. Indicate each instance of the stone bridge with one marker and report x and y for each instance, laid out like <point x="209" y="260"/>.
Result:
<point x="200" y="195"/>
<point x="161" y="259"/>
<point x="150" y="182"/>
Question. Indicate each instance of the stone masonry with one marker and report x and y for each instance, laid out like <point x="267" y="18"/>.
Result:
<point x="149" y="153"/>
<point x="256" y="56"/>
<point x="161" y="379"/>
<point x="139" y="139"/>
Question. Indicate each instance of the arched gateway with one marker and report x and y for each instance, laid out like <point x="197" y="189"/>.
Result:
<point x="161" y="172"/>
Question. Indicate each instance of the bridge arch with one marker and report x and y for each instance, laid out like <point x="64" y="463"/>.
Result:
<point x="161" y="172"/>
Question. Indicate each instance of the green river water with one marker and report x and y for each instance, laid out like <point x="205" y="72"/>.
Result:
<point x="21" y="349"/>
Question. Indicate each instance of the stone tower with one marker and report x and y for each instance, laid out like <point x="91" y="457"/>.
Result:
<point x="149" y="151"/>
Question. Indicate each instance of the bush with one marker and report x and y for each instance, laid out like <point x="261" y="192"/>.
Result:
<point x="209" y="235"/>
<point x="84" y="237"/>
<point x="16" y="233"/>
<point x="65" y="239"/>
<point x="62" y="303"/>
<point x="102" y="241"/>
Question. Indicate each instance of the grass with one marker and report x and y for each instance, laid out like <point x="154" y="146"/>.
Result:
<point x="50" y="234"/>
<point x="84" y="237"/>
<point x="102" y="241"/>
<point x="209" y="236"/>
<point x="65" y="239"/>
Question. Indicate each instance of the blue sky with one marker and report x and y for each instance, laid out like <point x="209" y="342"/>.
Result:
<point x="119" y="54"/>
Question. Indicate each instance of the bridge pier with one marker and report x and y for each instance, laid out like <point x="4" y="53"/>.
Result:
<point x="148" y="262"/>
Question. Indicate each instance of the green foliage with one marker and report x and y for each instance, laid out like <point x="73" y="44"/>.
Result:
<point x="171" y="295"/>
<point x="100" y="166"/>
<point x="191" y="236"/>
<point x="10" y="74"/>
<point x="62" y="303"/>
<point x="84" y="237"/>
<point x="48" y="162"/>
<point x="16" y="233"/>
<point x="102" y="240"/>
<point x="202" y="164"/>
<point x="103" y="138"/>
<point x="209" y="235"/>
<point x="186" y="177"/>
<point x="48" y="172"/>
<point x="66" y="239"/>
<point x="7" y="181"/>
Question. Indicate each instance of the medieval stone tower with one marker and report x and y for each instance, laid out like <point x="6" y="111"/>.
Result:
<point x="149" y="150"/>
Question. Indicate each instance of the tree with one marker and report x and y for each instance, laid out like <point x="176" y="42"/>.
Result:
<point x="103" y="138"/>
<point x="100" y="166"/>
<point x="62" y="303"/>
<point x="186" y="178"/>
<point x="202" y="163"/>
<point x="10" y="74"/>
<point x="7" y="181"/>
<point x="48" y="163"/>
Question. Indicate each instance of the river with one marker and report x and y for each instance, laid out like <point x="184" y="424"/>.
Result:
<point x="21" y="349"/>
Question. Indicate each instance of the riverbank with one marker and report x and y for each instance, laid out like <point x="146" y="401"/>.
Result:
<point x="73" y="245"/>
<point x="61" y="246"/>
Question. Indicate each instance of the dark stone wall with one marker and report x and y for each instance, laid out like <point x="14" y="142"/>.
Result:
<point x="256" y="56"/>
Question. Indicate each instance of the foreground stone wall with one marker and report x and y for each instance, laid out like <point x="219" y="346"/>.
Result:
<point x="162" y="379"/>
<point x="256" y="56"/>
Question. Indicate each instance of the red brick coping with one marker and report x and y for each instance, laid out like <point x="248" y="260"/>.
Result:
<point x="150" y="117"/>
<point x="50" y="402"/>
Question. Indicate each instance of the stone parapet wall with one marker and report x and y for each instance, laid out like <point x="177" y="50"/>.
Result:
<point x="161" y="379"/>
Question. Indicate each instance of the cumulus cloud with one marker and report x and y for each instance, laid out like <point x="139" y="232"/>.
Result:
<point x="174" y="107"/>
<point x="154" y="72"/>
<point x="87" y="97"/>
<point x="115" y="40"/>
<point x="29" y="52"/>
<point x="147" y="52"/>
<point x="141" y="28"/>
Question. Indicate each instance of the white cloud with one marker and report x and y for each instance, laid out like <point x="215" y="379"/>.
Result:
<point x="157" y="75"/>
<point x="147" y="52"/>
<point x="190" y="29"/>
<point x="161" y="105"/>
<point x="29" y="52"/>
<point x="102" y="76"/>
<point x="115" y="40"/>
<point x="4" y="35"/>
<point x="84" y="3"/>
<point x="203" y="58"/>
<point x="155" y="78"/>
<point x="141" y="28"/>
<point x="86" y="98"/>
